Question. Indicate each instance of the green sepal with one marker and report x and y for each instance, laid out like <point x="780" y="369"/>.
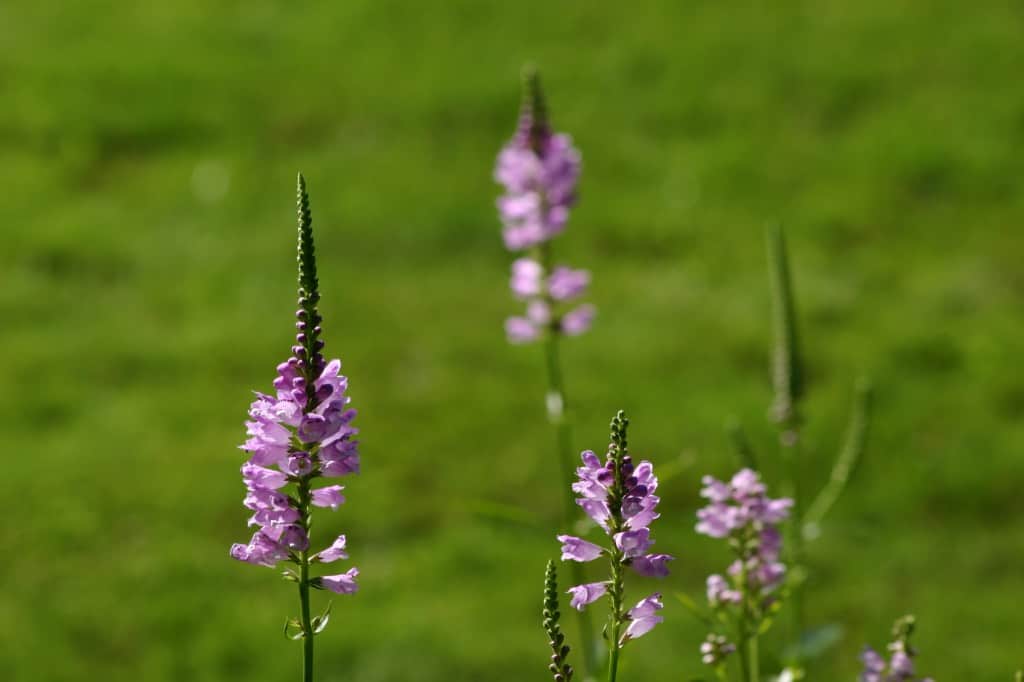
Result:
<point x="320" y="622"/>
<point x="293" y="623"/>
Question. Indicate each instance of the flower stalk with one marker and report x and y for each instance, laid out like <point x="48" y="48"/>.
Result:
<point x="297" y="435"/>
<point x="539" y="170"/>
<point x="741" y="512"/>
<point x="619" y="497"/>
<point x="559" y="666"/>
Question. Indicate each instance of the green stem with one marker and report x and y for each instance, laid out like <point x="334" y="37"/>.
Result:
<point x="613" y="659"/>
<point x="755" y="667"/>
<point x="615" y="592"/>
<point x="789" y="441"/>
<point x="307" y="626"/>
<point x="741" y="645"/>
<point x="556" y="407"/>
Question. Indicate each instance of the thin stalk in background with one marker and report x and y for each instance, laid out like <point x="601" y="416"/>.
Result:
<point x="845" y="464"/>
<point x="539" y="170"/>
<point x="557" y="405"/>
<point x="788" y="384"/>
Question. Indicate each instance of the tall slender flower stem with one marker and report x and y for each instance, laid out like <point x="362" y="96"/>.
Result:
<point x="788" y="381"/>
<point x="789" y="444"/>
<point x="615" y="525"/>
<point x="744" y="650"/>
<point x="615" y="591"/>
<point x="754" y="655"/>
<point x="307" y="626"/>
<point x="556" y="407"/>
<point x="557" y="404"/>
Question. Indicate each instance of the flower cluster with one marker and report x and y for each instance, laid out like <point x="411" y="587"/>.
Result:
<point x="740" y="510"/>
<point x="542" y="293"/>
<point x="714" y="649"/>
<point x="539" y="170"/>
<point x="620" y="497"/>
<point x="900" y="667"/>
<point x="299" y="434"/>
<point x="302" y="444"/>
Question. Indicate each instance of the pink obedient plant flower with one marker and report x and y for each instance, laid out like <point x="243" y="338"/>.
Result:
<point x="299" y="434"/>
<point x="620" y="498"/>
<point x="741" y="512"/>
<point x="539" y="170"/>
<point x="900" y="666"/>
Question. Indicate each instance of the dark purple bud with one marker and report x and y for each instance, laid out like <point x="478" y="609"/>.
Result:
<point x="300" y="338"/>
<point x="301" y="326"/>
<point x="324" y="392"/>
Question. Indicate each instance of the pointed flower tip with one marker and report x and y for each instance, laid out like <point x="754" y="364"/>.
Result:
<point x="534" y="118"/>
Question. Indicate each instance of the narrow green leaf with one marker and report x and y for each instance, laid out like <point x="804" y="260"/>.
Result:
<point x="787" y="366"/>
<point x="846" y="461"/>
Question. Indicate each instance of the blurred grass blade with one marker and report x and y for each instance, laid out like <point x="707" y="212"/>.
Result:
<point x="741" y="444"/>
<point x="814" y="643"/>
<point x="787" y="367"/>
<point x="846" y="462"/>
<point x="694" y="610"/>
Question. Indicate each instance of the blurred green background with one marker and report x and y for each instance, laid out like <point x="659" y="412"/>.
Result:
<point x="148" y="154"/>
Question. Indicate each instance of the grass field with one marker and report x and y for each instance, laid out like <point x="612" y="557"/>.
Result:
<point x="148" y="153"/>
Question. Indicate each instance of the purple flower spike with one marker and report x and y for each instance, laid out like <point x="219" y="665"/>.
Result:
<point x="741" y="512"/>
<point x="565" y="283"/>
<point x="633" y="543"/>
<point x="334" y="552"/>
<point x="527" y="275"/>
<point x="578" y="320"/>
<point x="343" y="583"/>
<point x="586" y="594"/>
<point x="521" y="330"/>
<point x="328" y="497"/>
<point x="296" y="435"/>
<point x="576" y="549"/>
<point x="652" y="565"/>
<point x="539" y="170"/>
<point x="643" y="617"/>
<point x="618" y="495"/>
<point x="900" y="667"/>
